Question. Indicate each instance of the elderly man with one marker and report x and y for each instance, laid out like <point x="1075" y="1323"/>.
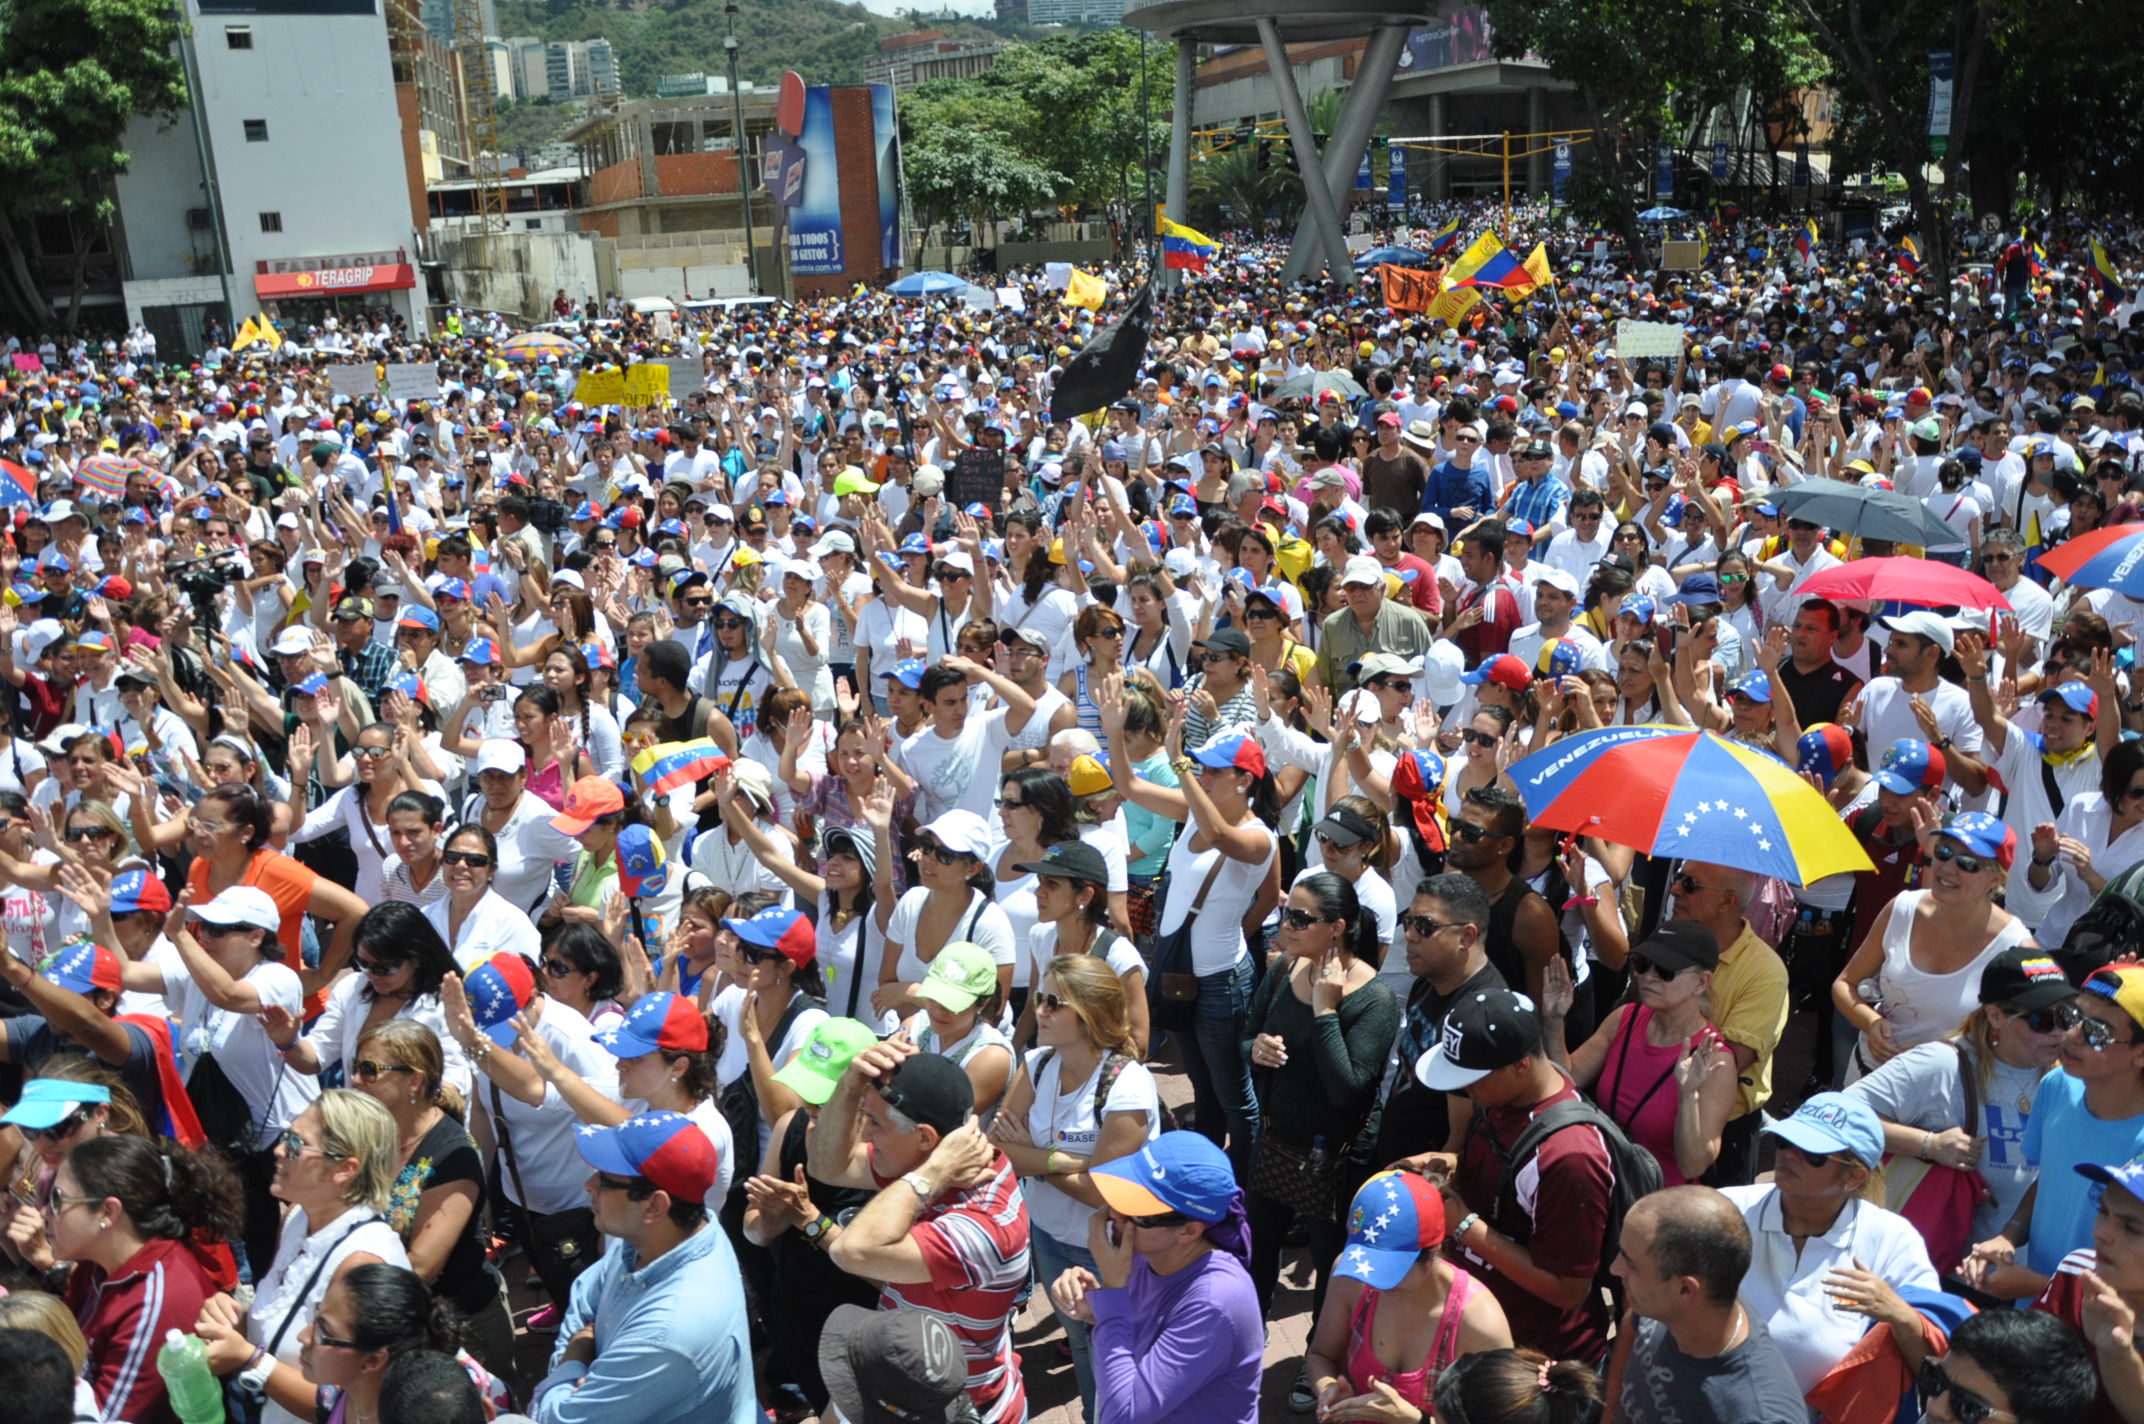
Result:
<point x="1688" y="1349"/>
<point x="1749" y="1002"/>
<point x="1371" y="623"/>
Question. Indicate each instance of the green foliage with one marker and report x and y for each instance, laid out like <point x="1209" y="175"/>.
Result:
<point x="1229" y="189"/>
<point x="528" y="126"/>
<point x="73" y="74"/>
<point x="972" y="173"/>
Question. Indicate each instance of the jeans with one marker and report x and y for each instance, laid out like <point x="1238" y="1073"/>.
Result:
<point x="1270" y="1220"/>
<point x="1052" y="1259"/>
<point x="1213" y="1057"/>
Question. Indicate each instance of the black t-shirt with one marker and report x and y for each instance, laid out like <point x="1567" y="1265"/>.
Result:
<point x="1418" y="1119"/>
<point x="444" y="1156"/>
<point x="1817" y="696"/>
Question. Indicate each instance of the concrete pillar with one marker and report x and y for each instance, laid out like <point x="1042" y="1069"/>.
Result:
<point x="1321" y="225"/>
<point x="1440" y="164"/>
<point x="1537" y="167"/>
<point x="1178" y="196"/>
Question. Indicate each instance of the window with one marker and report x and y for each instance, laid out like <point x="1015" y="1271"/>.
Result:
<point x="256" y="131"/>
<point x="536" y="225"/>
<point x="238" y="36"/>
<point x="271" y="222"/>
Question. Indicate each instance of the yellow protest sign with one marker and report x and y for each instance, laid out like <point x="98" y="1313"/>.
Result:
<point x="647" y="384"/>
<point x="600" y="388"/>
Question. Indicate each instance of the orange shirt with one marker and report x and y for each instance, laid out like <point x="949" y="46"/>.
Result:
<point x="289" y="884"/>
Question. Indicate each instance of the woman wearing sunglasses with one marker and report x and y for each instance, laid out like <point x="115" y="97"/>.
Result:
<point x="369" y="1317"/>
<point x="135" y="1217"/>
<point x="438" y="1197"/>
<point x="71" y="1100"/>
<point x="951" y="901"/>
<point x="1827" y="1265"/>
<point x="400" y="961"/>
<point x="472" y="918"/>
<point x="2093" y="840"/>
<point x="1482" y="757"/>
<point x="1082" y="1098"/>
<point x="37" y="913"/>
<point x="335" y="1171"/>
<point x="1916" y="975"/>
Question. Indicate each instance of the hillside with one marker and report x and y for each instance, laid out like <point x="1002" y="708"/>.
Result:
<point x="823" y="40"/>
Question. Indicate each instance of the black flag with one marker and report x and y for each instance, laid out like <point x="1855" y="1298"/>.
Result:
<point x="1109" y="366"/>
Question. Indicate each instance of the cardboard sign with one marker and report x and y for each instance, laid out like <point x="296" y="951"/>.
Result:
<point x="686" y="375"/>
<point x="1636" y="340"/>
<point x="357" y="381"/>
<point x="647" y="384"/>
<point x="412" y="380"/>
<point x="29" y="361"/>
<point x="600" y="388"/>
<point x="1680" y="256"/>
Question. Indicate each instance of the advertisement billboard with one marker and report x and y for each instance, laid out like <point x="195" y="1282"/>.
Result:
<point x="885" y="142"/>
<point x="816" y="243"/>
<point x="1461" y="37"/>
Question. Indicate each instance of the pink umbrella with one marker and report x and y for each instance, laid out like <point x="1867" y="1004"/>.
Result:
<point x="1925" y="582"/>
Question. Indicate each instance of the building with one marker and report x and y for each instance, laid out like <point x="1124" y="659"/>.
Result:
<point x="1073" y="12"/>
<point x="439" y="20"/>
<point x="602" y="69"/>
<point x="905" y="61"/>
<point x="429" y="96"/>
<point x="298" y="111"/>
<point x="1012" y="10"/>
<point x="577" y="69"/>
<point x="527" y="69"/>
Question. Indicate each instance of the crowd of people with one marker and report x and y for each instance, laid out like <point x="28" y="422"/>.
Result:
<point x="753" y="870"/>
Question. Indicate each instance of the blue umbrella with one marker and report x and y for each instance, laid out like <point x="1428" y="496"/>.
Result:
<point x="1662" y="215"/>
<point x="927" y="284"/>
<point x="1397" y="256"/>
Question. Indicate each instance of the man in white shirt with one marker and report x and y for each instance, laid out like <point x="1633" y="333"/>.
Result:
<point x="1917" y="645"/>
<point x="1577" y="549"/>
<point x="955" y="757"/>
<point x="1556" y="595"/>
<point x="1804" y="557"/>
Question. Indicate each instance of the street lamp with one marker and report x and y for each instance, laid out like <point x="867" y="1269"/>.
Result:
<point x="744" y="167"/>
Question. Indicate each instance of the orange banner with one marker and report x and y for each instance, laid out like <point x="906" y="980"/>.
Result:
<point x="1409" y="288"/>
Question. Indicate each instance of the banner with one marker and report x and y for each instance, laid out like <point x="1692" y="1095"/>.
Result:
<point x="1364" y="181"/>
<point x="1409" y="288"/>
<point x="1561" y="173"/>
<point x="784" y="171"/>
<point x="356" y="381"/>
<point x="1640" y="339"/>
<point x="412" y="380"/>
<point x="1396" y="179"/>
<point x="1942" y="68"/>
<point x="1667" y="173"/>
<point x="884" y="138"/>
<point x="647" y="384"/>
<point x="1462" y="37"/>
<point x="1719" y="161"/>
<point x="600" y="388"/>
<point x="816" y="247"/>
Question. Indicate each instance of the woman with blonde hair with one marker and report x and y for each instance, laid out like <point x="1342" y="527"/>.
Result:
<point x="336" y="1168"/>
<point x="47" y="1315"/>
<point x="436" y="1204"/>
<point x="1082" y="1098"/>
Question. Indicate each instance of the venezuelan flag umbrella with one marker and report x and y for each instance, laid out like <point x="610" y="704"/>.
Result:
<point x="2103" y="558"/>
<point x="1671" y="791"/>
<point x="539" y="346"/>
<point x="17" y="485"/>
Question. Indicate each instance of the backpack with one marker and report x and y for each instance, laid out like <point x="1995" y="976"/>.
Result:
<point x="1637" y="1172"/>
<point x="1105" y="1080"/>
<point x="2111" y="927"/>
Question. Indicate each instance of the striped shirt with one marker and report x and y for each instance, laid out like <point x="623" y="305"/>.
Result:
<point x="975" y="1243"/>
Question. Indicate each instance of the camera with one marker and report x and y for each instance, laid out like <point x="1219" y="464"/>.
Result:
<point x="548" y="515"/>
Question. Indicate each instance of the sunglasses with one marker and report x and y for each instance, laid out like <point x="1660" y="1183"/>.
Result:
<point x="1395" y="684"/>
<point x="1970" y="864"/>
<point x="944" y="856"/>
<point x="729" y="623"/>
<point x="1734" y="578"/>
<point x="67" y="1126"/>
<point x="2057" y="1018"/>
<point x="294" y="1146"/>
<point x="609" y="1183"/>
<point x="366" y="1070"/>
<point x="1158" y="1219"/>
<point x="1468" y="831"/>
<point x="2097" y="1033"/>
<point x="1470" y="737"/>
<point x="1931" y="1384"/>
<point x="1658" y="971"/>
<point x="1302" y="919"/>
<point x="706" y="601"/>
<point x="475" y="860"/>
<point x="321" y="1337"/>
<point x="1803" y="524"/>
<point x="1005" y="805"/>
<point x="369" y="753"/>
<point x="1814" y="1159"/>
<point x="603" y="545"/>
<point x="85" y="833"/>
<point x="373" y="969"/>
<point x="1051" y="1003"/>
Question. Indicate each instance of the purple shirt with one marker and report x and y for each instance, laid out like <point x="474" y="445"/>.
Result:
<point x="1181" y="1349"/>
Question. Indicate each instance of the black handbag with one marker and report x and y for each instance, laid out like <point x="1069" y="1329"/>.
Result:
<point x="1172" y="986"/>
<point x="560" y="1244"/>
<point x="1304" y="1179"/>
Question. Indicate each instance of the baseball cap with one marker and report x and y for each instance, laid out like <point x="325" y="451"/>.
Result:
<point x="292" y="642"/>
<point x="908" y="672"/>
<point x="1395" y="1217"/>
<point x="641" y="870"/>
<point x="1982" y="835"/>
<point x="832" y="1045"/>
<point x="84" y="968"/>
<point x="1559" y="659"/>
<point x="1344" y="826"/>
<point x="1363" y="571"/>
<point x="1235" y="750"/>
<point x="499" y="754"/>
<point x="1371" y="665"/>
<point x="1923" y="624"/>
<point x="1179" y="1172"/>
<point x="2129" y="1176"/>
<point x="931" y="1090"/>
<point x="591" y="797"/>
<point x="959" y="830"/>
<point x="852" y="481"/>
<point x="2077" y="696"/>
<point x="48" y="1102"/>
<point x="1825" y="749"/>
<point x="135" y="890"/>
<point x="1909" y="765"/>
<point x="1680" y="944"/>
<point x="240" y="905"/>
<point x="892" y="1366"/>
<point x="1034" y="638"/>
<point x="1089" y="776"/>
<point x="479" y="650"/>
<point x="960" y="977"/>
<point x="416" y="615"/>
<point x="658" y="1023"/>
<point x="787" y="932"/>
<point x="1231" y="641"/>
<point x="454" y="588"/>
<point x="1069" y="860"/>
<point x="2024" y="977"/>
<point x="1834" y="1122"/>
<point x="1756" y="686"/>
<point x="667" y="1148"/>
<point x="1493" y="1029"/>
<point x="1697" y="588"/>
<point x="1505" y="670"/>
<point x="355" y="608"/>
<point x="497" y="990"/>
<point x="2121" y="984"/>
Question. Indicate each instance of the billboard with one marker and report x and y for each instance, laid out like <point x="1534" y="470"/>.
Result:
<point x="816" y="246"/>
<point x="1461" y="37"/>
<point x="885" y="140"/>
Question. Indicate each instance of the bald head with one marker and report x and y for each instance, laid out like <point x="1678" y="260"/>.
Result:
<point x="1736" y="884"/>
<point x="1696" y="1232"/>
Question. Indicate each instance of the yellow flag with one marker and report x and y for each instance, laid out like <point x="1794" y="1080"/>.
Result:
<point x="248" y="333"/>
<point x="1084" y="289"/>
<point x="269" y="334"/>
<point x="1536" y="265"/>
<point x="1453" y="303"/>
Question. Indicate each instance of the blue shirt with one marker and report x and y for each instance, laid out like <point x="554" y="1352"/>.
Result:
<point x="1539" y="502"/>
<point x="671" y="1341"/>
<point x="1451" y="488"/>
<point x="2060" y="1133"/>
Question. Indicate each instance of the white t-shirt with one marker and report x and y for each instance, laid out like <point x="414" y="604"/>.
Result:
<point x="1120" y="954"/>
<point x="492" y="926"/>
<point x="1217" y="934"/>
<point x="959" y="772"/>
<point x="336" y="1032"/>
<point x="1887" y="715"/>
<point x="542" y="1135"/>
<point x="275" y="1092"/>
<point x="1063" y="1119"/>
<point x="280" y="1312"/>
<point x="982" y="923"/>
<point x="736" y="1059"/>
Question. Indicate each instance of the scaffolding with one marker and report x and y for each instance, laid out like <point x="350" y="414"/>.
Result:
<point x="482" y="115"/>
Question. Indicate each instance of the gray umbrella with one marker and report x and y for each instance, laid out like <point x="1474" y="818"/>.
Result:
<point x="1313" y="384"/>
<point x="1858" y="509"/>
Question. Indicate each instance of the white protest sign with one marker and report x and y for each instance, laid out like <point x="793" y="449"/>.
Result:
<point x="686" y="375"/>
<point x="1010" y="297"/>
<point x="359" y="381"/>
<point x="412" y="380"/>
<point x="1056" y="276"/>
<point x="1639" y="339"/>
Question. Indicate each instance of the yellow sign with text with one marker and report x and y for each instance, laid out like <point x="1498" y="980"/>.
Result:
<point x="600" y="388"/>
<point x="647" y="384"/>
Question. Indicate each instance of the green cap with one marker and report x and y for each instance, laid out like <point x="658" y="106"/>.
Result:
<point x="962" y="973"/>
<point x="828" y="1050"/>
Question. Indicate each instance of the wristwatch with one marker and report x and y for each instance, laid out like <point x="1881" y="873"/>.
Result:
<point x="253" y="1379"/>
<point x="920" y="1185"/>
<point x="815" y="1230"/>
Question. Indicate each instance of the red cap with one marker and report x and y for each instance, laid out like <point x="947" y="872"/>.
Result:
<point x="590" y="798"/>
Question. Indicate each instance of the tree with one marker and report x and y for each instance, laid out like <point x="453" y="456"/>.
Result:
<point x="964" y="172"/>
<point x="73" y="74"/>
<point x="1231" y="181"/>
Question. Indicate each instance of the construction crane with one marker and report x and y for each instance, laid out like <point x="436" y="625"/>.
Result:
<point x="478" y="83"/>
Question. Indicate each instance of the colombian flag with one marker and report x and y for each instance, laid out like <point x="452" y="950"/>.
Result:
<point x="1445" y="238"/>
<point x="1909" y="256"/>
<point x="1184" y="248"/>
<point x="1499" y="267"/>
<point x="673" y="764"/>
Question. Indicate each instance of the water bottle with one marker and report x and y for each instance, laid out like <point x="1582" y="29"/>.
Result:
<point x="196" y="1395"/>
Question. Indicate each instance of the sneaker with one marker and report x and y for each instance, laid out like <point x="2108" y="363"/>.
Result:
<point x="1301" y="1397"/>
<point x="550" y="1315"/>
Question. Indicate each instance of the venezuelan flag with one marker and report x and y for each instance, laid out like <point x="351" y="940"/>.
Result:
<point x="1805" y="240"/>
<point x="1445" y="238"/>
<point x="1909" y="256"/>
<point x="2103" y="276"/>
<point x="17" y="485"/>
<point x="673" y="764"/>
<point x="1185" y="249"/>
